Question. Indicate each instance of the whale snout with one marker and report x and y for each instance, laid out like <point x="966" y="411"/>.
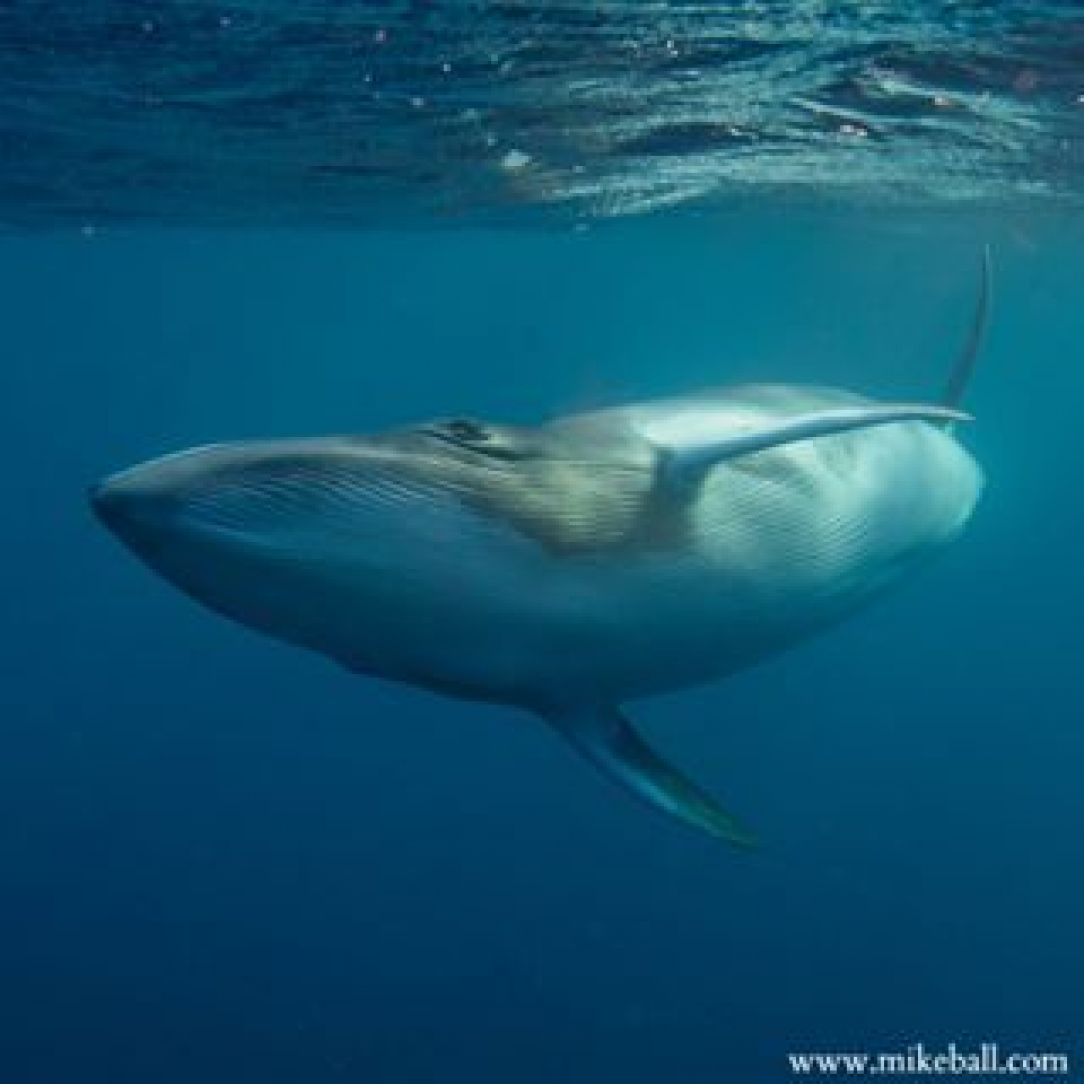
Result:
<point x="266" y="499"/>
<point x="134" y="500"/>
<point x="153" y="497"/>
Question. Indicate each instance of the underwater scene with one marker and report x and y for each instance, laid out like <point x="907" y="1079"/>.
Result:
<point x="541" y="541"/>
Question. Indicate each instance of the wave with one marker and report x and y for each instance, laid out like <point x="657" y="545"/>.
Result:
<point x="322" y="112"/>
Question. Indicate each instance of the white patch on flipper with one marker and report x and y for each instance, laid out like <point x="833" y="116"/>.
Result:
<point x="695" y="441"/>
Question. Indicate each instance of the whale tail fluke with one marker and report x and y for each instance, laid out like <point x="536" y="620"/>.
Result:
<point x="607" y="739"/>
<point x="960" y="377"/>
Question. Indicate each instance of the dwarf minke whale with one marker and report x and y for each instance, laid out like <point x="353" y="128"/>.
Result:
<point x="568" y="567"/>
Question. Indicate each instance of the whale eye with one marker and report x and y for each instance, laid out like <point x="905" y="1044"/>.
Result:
<point x="467" y="431"/>
<point x="475" y="437"/>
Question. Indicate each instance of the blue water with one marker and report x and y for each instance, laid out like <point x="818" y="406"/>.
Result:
<point x="222" y="859"/>
<point x="320" y="111"/>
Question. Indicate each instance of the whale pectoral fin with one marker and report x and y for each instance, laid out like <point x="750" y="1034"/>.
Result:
<point x="607" y="739"/>
<point x="686" y="460"/>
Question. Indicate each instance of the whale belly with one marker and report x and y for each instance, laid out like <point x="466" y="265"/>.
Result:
<point x="782" y="544"/>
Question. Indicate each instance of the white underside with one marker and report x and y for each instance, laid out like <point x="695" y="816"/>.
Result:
<point x="781" y="547"/>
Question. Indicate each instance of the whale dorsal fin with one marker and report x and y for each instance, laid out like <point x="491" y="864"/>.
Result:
<point x="687" y="459"/>
<point x="607" y="739"/>
<point x="956" y="385"/>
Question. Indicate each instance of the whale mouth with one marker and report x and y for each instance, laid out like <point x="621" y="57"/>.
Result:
<point x="242" y="511"/>
<point x="124" y="507"/>
<point x="272" y="502"/>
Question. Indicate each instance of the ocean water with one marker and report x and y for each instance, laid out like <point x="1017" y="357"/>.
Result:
<point x="222" y="859"/>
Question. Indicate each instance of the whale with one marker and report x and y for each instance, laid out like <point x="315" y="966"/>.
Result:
<point x="569" y="567"/>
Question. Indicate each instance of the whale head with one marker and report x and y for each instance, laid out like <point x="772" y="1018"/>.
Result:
<point x="312" y="541"/>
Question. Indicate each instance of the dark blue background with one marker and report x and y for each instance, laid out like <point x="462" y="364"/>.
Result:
<point x="221" y="859"/>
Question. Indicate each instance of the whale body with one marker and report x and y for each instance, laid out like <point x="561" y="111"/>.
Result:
<point x="568" y="567"/>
